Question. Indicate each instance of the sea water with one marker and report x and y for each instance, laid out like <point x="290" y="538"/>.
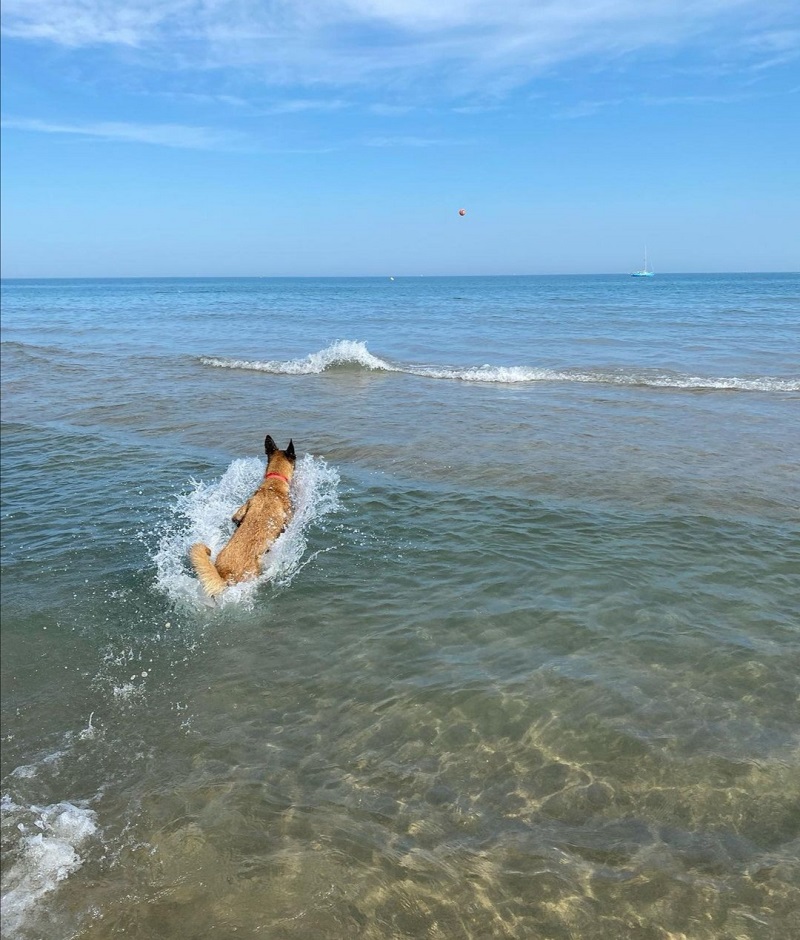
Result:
<point x="523" y="665"/>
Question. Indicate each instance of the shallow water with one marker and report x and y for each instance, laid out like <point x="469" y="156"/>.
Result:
<point x="523" y="665"/>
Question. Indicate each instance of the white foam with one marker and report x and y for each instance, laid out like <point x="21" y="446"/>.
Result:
<point x="353" y="353"/>
<point x="761" y="384"/>
<point x="497" y="374"/>
<point x="204" y="515"/>
<point x="343" y="352"/>
<point x="46" y="854"/>
<point x="25" y="771"/>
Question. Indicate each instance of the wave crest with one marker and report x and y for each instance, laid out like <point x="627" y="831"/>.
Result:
<point x="342" y="353"/>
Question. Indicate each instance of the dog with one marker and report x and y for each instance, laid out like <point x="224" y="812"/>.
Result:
<point x="258" y="523"/>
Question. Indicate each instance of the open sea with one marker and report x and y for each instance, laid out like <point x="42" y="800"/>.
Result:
<point x="523" y="665"/>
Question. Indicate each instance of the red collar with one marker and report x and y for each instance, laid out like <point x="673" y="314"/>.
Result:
<point x="280" y="476"/>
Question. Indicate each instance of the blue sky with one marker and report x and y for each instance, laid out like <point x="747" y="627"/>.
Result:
<point x="340" y="137"/>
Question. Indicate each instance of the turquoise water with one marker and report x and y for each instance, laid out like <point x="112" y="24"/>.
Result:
<point x="524" y="665"/>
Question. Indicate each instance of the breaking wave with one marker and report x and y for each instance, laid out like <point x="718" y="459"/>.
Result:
<point x="350" y="354"/>
<point x="345" y="353"/>
<point x="204" y="515"/>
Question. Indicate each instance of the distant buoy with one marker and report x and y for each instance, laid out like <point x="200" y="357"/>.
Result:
<point x="462" y="211"/>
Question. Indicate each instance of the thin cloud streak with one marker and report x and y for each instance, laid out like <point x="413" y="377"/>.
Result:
<point x="300" y="105"/>
<point x="255" y="107"/>
<point x="589" y="108"/>
<point x="410" y="141"/>
<point x="164" y="135"/>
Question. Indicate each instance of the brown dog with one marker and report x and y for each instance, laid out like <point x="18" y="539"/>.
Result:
<point x="258" y="523"/>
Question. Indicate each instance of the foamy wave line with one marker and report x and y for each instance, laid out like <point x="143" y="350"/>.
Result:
<point x="522" y="374"/>
<point x="355" y="354"/>
<point x="204" y="515"/>
<point x="760" y="384"/>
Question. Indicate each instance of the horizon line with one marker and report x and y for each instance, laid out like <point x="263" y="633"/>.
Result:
<point x="264" y="277"/>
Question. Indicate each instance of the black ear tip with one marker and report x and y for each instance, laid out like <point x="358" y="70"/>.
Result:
<point x="269" y="444"/>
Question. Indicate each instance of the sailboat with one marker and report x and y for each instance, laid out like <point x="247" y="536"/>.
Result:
<point x="644" y="272"/>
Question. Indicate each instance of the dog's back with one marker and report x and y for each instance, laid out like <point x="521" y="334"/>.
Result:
<point x="259" y="522"/>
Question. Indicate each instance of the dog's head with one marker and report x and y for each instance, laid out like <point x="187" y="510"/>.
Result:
<point x="279" y="461"/>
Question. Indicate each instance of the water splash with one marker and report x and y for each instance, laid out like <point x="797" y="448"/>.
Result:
<point x="204" y="515"/>
<point x="45" y="854"/>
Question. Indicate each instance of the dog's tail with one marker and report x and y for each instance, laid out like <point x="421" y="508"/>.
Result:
<point x="210" y="578"/>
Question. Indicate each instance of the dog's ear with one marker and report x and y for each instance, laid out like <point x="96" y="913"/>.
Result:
<point x="269" y="446"/>
<point x="290" y="451"/>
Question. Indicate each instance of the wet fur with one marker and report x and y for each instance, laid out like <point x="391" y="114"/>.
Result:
<point x="258" y="523"/>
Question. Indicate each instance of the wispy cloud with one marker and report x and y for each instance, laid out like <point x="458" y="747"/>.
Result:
<point x="94" y="22"/>
<point x="410" y="141"/>
<point x="589" y="108"/>
<point x="776" y="40"/>
<point x="255" y="106"/>
<point x="181" y="136"/>
<point x="164" y="135"/>
<point x="771" y="48"/>
<point x="391" y="110"/>
<point x="476" y="43"/>
<point x="193" y="97"/>
<point x="476" y="108"/>
<point x="300" y="105"/>
<point x="668" y="100"/>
